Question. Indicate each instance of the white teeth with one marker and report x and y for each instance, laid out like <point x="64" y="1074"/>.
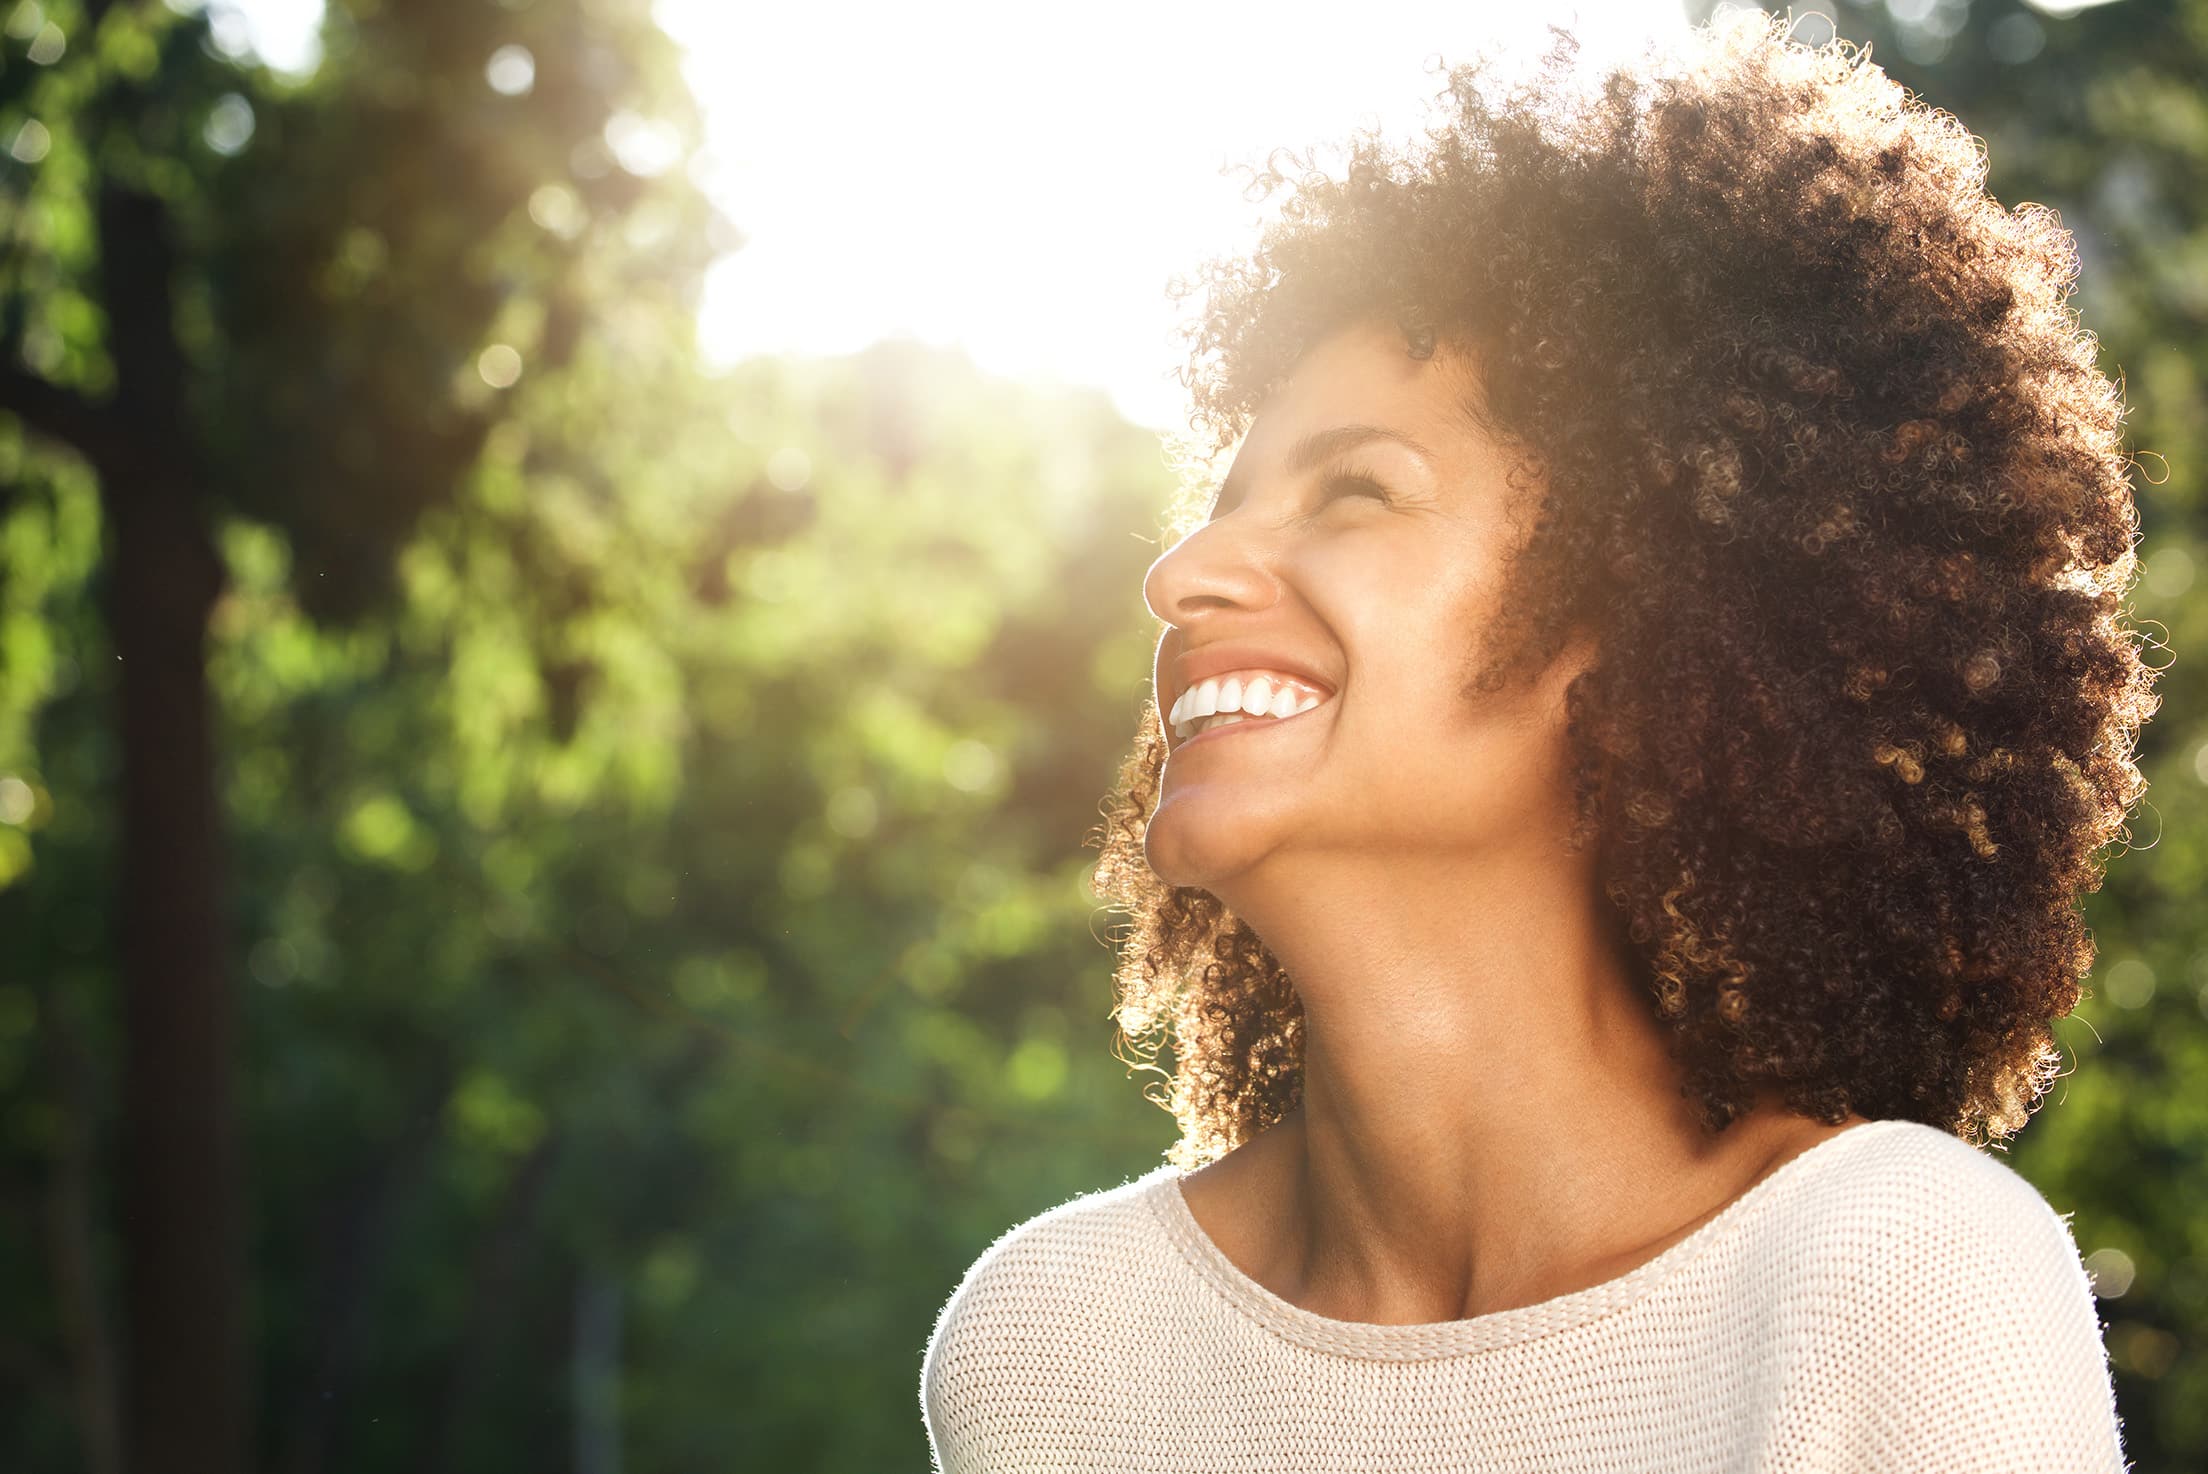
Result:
<point x="1221" y="700"/>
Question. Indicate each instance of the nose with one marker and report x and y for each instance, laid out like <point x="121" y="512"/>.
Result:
<point x="1214" y="568"/>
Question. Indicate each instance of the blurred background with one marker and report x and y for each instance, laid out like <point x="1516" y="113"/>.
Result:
<point x="569" y="591"/>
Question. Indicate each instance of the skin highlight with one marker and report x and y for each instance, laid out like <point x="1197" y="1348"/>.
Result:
<point x="1489" y="1114"/>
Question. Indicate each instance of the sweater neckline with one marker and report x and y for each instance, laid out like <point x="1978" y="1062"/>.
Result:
<point x="1372" y="1341"/>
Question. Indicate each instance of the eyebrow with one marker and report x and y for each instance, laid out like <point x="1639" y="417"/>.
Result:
<point x="1311" y="450"/>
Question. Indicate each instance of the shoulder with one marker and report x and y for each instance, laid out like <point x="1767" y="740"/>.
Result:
<point x="1922" y="1215"/>
<point x="1942" y="1288"/>
<point x="1064" y="1249"/>
<point x="1906" y="1177"/>
<point x="1038" y="1304"/>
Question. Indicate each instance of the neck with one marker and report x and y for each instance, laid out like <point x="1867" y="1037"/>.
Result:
<point x="1489" y="1114"/>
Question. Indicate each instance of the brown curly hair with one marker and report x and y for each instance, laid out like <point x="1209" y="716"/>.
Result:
<point x="1832" y="470"/>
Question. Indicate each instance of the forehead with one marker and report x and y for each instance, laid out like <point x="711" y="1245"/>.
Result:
<point x="1365" y="375"/>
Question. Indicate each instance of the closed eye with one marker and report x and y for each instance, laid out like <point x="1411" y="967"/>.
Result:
<point x="1355" y="484"/>
<point x="1339" y="484"/>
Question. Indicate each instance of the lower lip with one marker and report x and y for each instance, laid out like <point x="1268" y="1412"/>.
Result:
<point x="1246" y="725"/>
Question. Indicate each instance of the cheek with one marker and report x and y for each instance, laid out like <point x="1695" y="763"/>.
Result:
<point x="1416" y="626"/>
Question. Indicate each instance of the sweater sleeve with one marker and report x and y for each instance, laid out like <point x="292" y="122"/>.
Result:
<point x="1990" y="1349"/>
<point x="949" y="1442"/>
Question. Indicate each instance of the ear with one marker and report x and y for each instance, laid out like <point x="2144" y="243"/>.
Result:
<point x="1581" y="652"/>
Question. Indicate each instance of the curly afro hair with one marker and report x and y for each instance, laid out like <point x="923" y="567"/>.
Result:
<point x="1831" y="469"/>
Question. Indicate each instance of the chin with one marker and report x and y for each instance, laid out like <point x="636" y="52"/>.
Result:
<point x="1167" y="862"/>
<point x="1194" y="859"/>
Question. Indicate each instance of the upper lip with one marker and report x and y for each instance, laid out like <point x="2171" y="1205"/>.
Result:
<point x="1192" y="667"/>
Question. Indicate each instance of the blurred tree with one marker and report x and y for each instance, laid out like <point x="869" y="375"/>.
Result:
<point x="2102" y="112"/>
<point x="304" y="306"/>
<point x="648" y="1084"/>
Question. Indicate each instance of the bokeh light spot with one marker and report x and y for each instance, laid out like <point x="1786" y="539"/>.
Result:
<point x="970" y="766"/>
<point x="558" y="209"/>
<point x="229" y="124"/>
<point x="789" y="469"/>
<point x="499" y="365"/>
<point x="1037" y="1069"/>
<point x="2129" y="984"/>
<point x="2112" y="1272"/>
<point x="2015" y="39"/>
<point x="2143" y="1350"/>
<point x="511" y="71"/>
<point x="644" y="146"/>
<point x="2169" y="572"/>
<point x="31" y="142"/>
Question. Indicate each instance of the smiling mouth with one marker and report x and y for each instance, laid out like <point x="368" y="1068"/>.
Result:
<point x="1264" y="695"/>
<point x="1212" y="726"/>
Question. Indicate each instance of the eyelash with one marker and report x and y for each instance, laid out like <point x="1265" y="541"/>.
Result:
<point x="1357" y="484"/>
<point x="1370" y="487"/>
<point x="1357" y="478"/>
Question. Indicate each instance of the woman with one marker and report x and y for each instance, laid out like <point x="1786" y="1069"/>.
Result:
<point x="1668" y="580"/>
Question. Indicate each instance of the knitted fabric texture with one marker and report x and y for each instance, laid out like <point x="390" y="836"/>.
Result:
<point x="1892" y="1300"/>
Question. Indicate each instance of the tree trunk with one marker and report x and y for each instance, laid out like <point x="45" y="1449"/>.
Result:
<point x="73" y="1252"/>
<point x="183" y="1261"/>
<point x="492" y="1276"/>
<point x="357" y="1245"/>
<point x="594" y="1370"/>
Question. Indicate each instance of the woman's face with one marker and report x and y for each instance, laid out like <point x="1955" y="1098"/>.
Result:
<point x="1358" y="547"/>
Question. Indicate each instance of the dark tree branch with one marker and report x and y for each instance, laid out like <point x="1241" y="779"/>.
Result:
<point x="60" y="415"/>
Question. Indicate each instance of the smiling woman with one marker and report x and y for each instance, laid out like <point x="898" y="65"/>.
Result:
<point x="1691" y="528"/>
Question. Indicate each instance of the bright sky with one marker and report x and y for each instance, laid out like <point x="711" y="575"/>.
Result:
<point x="1022" y="179"/>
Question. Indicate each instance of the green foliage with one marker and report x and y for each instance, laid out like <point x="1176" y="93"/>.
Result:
<point x="812" y="1018"/>
<point x="653" y="802"/>
<point x="768" y="989"/>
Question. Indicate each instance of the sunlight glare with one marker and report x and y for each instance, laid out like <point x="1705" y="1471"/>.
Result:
<point x="1023" y="184"/>
<point x="1020" y="181"/>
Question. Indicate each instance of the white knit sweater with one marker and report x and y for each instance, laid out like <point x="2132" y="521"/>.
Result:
<point x="1891" y="1301"/>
